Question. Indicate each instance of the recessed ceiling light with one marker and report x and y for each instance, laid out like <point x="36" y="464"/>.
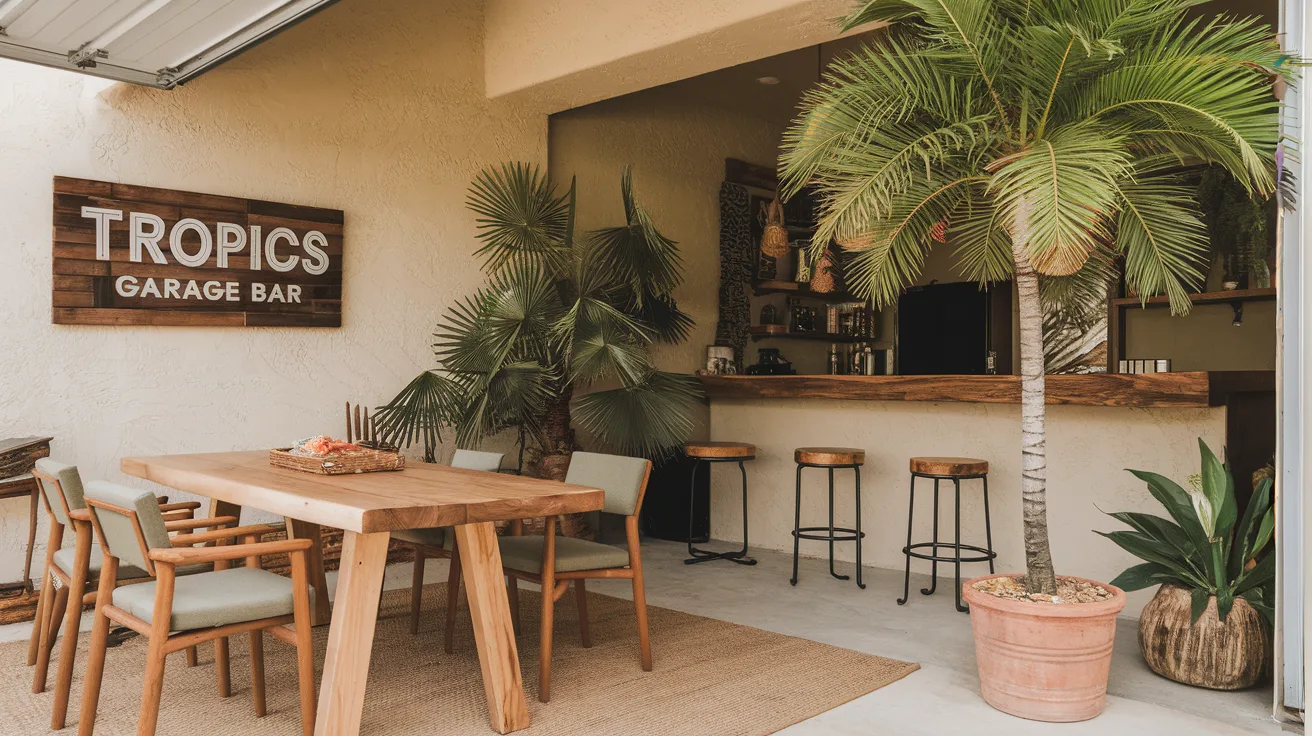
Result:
<point x="769" y="81"/>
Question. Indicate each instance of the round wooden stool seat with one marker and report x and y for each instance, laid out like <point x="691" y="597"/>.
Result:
<point x="829" y="456"/>
<point x="719" y="450"/>
<point x="949" y="466"/>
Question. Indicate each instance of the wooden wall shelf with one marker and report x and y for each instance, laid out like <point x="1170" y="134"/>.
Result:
<point x="1167" y="390"/>
<point x="764" y="332"/>
<point x="1118" y="310"/>
<point x="1211" y="297"/>
<point x="762" y="287"/>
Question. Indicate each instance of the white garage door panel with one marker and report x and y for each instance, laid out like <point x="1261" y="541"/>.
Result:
<point x="158" y="43"/>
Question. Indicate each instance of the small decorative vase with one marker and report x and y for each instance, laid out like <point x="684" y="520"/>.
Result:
<point x="803" y="273"/>
<point x="822" y="279"/>
<point x="1217" y="655"/>
<point x="774" y="241"/>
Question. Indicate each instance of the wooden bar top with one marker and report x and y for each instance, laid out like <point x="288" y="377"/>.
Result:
<point x="422" y="495"/>
<point x="1193" y="389"/>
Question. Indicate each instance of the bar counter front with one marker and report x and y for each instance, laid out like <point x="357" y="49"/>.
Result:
<point x="1098" y="425"/>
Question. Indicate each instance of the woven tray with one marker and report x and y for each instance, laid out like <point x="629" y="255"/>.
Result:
<point x="363" y="461"/>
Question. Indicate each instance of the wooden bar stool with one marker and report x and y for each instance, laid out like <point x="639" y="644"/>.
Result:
<point x="955" y="469"/>
<point x="718" y="452"/>
<point x="831" y="459"/>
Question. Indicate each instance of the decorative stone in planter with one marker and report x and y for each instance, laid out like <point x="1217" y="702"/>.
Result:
<point x="1229" y="655"/>
<point x="1043" y="661"/>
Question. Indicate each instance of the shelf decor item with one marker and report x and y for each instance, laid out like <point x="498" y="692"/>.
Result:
<point x="822" y="278"/>
<point x="774" y="241"/>
<point x="1209" y="624"/>
<point x="802" y="272"/>
<point x="1037" y="167"/>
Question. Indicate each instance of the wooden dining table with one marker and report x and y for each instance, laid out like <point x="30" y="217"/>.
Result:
<point x="368" y="507"/>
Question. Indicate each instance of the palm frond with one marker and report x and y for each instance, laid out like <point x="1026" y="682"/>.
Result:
<point x="418" y="413"/>
<point x="1059" y="192"/>
<point x="983" y="248"/>
<point x="649" y="419"/>
<point x="636" y="254"/>
<point x="520" y="216"/>
<point x="1163" y="238"/>
<point x="515" y="395"/>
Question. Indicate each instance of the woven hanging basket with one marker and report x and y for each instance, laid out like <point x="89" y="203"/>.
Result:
<point x="822" y="277"/>
<point x="774" y="241"/>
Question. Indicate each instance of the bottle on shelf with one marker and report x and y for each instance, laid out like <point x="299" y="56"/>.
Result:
<point x="833" y="358"/>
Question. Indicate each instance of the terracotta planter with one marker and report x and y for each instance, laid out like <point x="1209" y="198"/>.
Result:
<point x="1042" y="661"/>
<point x="1221" y="656"/>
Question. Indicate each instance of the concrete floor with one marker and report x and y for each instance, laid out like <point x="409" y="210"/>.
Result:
<point x="943" y="697"/>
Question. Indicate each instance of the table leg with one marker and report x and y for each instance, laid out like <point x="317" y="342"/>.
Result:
<point x="224" y="508"/>
<point x="351" y="636"/>
<point x="480" y="560"/>
<point x="296" y="529"/>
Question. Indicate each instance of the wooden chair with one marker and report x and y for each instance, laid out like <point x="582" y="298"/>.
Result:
<point x="60" y="488"/>
<point x="554" y="561"/>
<point x="440" y="542"/>
<point x="174" y="612"/>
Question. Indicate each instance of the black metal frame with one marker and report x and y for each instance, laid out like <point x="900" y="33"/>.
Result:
<point x="832" y="533"/>
<point x="700" y="555"/>
<point x="986" y="554"/>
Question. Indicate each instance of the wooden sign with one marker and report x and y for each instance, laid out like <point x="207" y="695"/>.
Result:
<point x="130" y="255"/>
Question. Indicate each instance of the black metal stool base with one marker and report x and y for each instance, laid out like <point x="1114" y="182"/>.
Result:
<point x="830" y="533"/>
<point x="700" y="555"/>
<point x="695" y="555"/>
<point x="953" y="549"/>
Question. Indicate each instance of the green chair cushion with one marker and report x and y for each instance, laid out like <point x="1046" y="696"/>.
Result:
<point x="65" y="558"/>
<point x="572" y="555"/>
<point x="69" y="480"/>
<point x="215" y="598"/>
<point x="430" y="537"/>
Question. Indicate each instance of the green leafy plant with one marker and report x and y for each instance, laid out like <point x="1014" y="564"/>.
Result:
<point x="1207" y="549"/>
<point x="1053" y="139"/>
<point x="560" y="311"/>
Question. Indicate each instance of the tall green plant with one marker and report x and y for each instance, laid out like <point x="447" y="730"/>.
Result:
<point x="1207" y="549"/>
<point x="1050" y="137"/>
<point x="560" y="311"/>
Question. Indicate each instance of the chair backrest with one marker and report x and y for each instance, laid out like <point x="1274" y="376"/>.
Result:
<point x="61" y="486"/>
<point x="128" y="521"/>
<point x="477" y="460"/>
<point x="624" y="479"/>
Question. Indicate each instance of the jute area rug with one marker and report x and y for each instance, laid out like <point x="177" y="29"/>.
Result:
<point x="710" y="678"/>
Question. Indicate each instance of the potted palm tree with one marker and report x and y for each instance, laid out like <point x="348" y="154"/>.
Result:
<point x="1052" y="140"/>
<point x="562" y="311"/>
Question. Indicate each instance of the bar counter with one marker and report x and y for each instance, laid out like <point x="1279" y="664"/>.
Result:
<point x="1146" y="390"/>
<point x="1097" y="426"/>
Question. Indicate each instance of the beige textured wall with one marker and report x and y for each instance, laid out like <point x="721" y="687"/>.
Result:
<point x="1206" y="338"/>
<point x="1088" y="449"/>
<point x="568" y="53"/>
<point x="677" y="145"/>
<point x="376" y="108"/>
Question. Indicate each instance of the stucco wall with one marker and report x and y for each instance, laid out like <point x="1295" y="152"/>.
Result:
<point x="569" y="53"/>
<point x="375" y="108"/>
<point x="1088" y="450"/>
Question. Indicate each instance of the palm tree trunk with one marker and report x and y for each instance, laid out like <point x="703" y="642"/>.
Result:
<point x="1040" y="577"/>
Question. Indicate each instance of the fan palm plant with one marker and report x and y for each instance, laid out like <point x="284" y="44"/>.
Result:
<point x="560" y="311"/>
<point x="1053" y="139"/>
